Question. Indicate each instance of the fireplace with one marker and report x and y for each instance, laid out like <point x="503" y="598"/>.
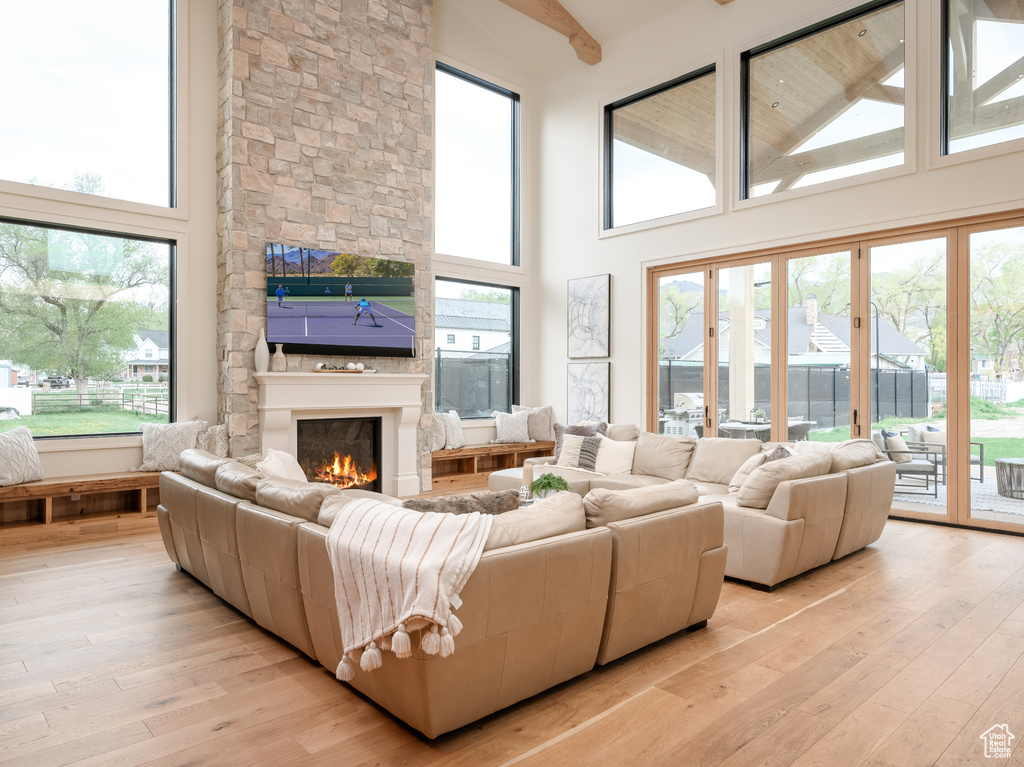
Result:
<point x="345" y="452"/>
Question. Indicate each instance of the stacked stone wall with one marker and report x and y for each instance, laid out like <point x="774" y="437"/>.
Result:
<point x="325" y="141"/>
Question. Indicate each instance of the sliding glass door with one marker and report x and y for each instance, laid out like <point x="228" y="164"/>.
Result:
<point x="680" y="377"/>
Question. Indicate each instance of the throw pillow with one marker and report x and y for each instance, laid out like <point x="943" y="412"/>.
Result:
<point x="163" y="443"/>
<point x="623" y="432"/>
<point x="777" y="454"/>
<point x="605" y="506"/>
<point x="929" y="427"/>
<point x="19" y="459"/>
<point x="579" y="452"/>
<point x="453" y="435"/>
<point x="758" y="489"/>
<point x="614" y="457"/>
<point x="898" y="449"/>
<point x="437" y="437"/>
<point x="484" y="502"/>
<point x="662" y="455"/>
<point x="541" y="421"/>
<point x="214" y="440"/>
<point x="280" y="464"/>
<point x="512" y="427"/>
<point x="591" y="430"/>
<point x="250" y="460"/>
<point x="744" y="471"/>
<point x="558" y="514"/>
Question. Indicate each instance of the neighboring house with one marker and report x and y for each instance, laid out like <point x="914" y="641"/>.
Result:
<point x="152" y="355"/>
<point x="814" y="339"/>
<point x="470" y="326"/>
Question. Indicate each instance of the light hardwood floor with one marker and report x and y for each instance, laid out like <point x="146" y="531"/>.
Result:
<point x="902" y="654"/>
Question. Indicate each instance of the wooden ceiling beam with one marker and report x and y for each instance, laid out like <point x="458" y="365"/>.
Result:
<point x="723" y="2"/>
<point x="834" y="156"/>
<point x="551" y="14"/>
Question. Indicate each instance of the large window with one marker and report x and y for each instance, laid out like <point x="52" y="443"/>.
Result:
<point x="78" y="310"/>
<point x="476" y="192"/>
<point x="660" y="151"/>
<point x="87" y="100"/>
<point x="480" y="373"/>
<point x="983" y="72"/>
<point x="825" y="103"/>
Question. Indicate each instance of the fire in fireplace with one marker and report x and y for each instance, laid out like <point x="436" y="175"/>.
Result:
<point x="344" y="452"/>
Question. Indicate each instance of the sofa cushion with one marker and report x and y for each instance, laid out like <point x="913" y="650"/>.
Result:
<point x="933" y="437"/>
<point x="757" y="490"/>
<point x="293" y="497"/>
<point x="622" y="432"/>
<point x="614" y="456"/>
<point x="484" y="501"/>
<point x="604" y="506"/>
<point x="201" y="466"/>
<point x="807" y="446"/>
<point x="854" y="453"/>
<point x="711" y="488"/>
<point x="555" y="515"/>
<point x="716" y="459"/>
<point x="237" y="479"/>
<point x="334" y="503"/>
<point x="662" y="455"/>
<point x="540" y="422"/>
<point x="744" y="471"/>
<point x="625" y="481"/>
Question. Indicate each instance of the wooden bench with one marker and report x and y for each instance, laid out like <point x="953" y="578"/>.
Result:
<point x="465" y="467"/>
<point x="57" y="487"/>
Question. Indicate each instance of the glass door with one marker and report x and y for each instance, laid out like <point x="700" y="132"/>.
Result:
<point x="906" y="366"/>
<point x="744" y="346"/>
<point x="991" y="378"/>
<point x="680" y="376"/>
<point x="818" y="347"/>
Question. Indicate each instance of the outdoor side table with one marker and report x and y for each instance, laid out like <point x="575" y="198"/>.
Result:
<point x="1010" y="477"/>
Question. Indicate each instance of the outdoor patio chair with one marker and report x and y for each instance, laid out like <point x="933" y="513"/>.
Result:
<point x="798" y="432"/>
<point x="928" y="466"/>
<point x="939" y="440"/>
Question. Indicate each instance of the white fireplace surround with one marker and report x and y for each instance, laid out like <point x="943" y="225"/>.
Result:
<point x="287" y="398"/>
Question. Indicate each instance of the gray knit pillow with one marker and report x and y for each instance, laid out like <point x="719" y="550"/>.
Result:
<point x="484" y="501"/>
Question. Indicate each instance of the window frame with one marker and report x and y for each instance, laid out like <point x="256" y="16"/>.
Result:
<point x="608" y="140"/>
<point x="172" y="259"/>
<point x="514" y="329"/>
<point x="743" y="197"/>
<point x="516" y="158"/>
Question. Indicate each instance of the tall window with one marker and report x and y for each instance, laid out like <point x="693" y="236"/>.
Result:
<point x="88" y="101"/>
<point x="480" y="374"/>
<point x="983" y="73"/>
<point x="476" y="208"/>
<point x="660" y="151"/>
<point x="824" y="103"/>
<point x="75" y="304"/>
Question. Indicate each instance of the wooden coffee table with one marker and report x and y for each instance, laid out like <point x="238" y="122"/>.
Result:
<point x="1010" y="477"/>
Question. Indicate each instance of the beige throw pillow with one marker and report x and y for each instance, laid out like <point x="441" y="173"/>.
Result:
<point x="512" y="427"/>
<point x="19" y="459"/>
<point x="614" y="457"/>
<point x="281" y="464"/>
<point x="555" y="515"/>
<point x="898" y="446"/>
<point x="604" y="506"/>
<point x="662" y="455"/>
<point x="758" y="489"/>
<point x="622" y="432"/>
<point x="540" y="423"/>
<point x="163" y="443"/>
<point x="716" y="459"/>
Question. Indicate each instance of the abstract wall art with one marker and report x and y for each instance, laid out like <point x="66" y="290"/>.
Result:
<point x="589" y="316"/>
<point x="588" y="391"/>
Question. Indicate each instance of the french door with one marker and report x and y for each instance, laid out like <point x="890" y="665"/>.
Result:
<point x="913" y="338"/>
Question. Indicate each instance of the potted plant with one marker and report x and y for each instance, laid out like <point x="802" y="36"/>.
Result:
<point x="757" y="415"/>
<point x="548" y="484"/>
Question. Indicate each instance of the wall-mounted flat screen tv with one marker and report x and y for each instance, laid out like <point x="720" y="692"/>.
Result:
<point x="328" y="302"/>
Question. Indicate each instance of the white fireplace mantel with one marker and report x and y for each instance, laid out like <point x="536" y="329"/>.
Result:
<point x="287" y="398"/>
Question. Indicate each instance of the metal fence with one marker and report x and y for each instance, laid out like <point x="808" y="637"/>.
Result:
<point x="474" y="384"/>
<point x="72" y="402"/>
<point x="816" y="393"/>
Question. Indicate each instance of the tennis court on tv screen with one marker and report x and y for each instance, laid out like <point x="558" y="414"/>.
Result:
<point x="337" y="299"/>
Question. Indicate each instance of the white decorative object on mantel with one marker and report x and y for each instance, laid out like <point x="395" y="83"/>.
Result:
<point x="287" y="398"/>
<point x="279" y="364"/>
<point x="262" y="353"/>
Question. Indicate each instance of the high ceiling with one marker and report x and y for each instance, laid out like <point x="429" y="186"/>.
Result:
<point x="538" y="48"/>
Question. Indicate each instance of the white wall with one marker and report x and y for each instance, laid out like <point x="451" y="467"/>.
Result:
<point x="192" y="225"/>
<point x="566" y="120"/>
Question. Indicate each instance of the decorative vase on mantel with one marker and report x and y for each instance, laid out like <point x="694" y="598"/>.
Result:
<point x="279" y="364"/>
<point x="262" y="354"/>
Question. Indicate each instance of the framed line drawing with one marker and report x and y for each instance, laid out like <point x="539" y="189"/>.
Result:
<point x="589" y="321"/>
<point x="588" y="391"/>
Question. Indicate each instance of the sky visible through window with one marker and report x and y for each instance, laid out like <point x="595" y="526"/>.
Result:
<point x="86" y="100"/>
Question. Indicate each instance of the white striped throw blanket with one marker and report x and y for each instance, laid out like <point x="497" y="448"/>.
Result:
<point x="396" y="571"/>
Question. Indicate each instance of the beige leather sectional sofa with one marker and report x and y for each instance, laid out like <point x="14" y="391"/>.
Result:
<point x="782" y="518"/>
<point x="631" y="568"/>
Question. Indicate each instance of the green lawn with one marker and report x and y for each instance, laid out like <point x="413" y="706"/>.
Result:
<point x="94" y="421"/>
<point x="995" y="447"/>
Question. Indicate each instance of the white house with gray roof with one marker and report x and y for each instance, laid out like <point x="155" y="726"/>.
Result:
<point x="152" y="355"/>
<point x="461" y="325"/>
